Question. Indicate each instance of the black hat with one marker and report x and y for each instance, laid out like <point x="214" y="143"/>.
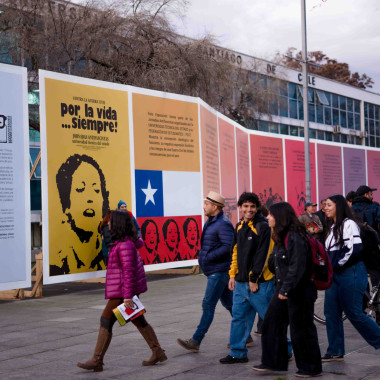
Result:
<point x="307" y="204"/>
<point x="363" y="190"/>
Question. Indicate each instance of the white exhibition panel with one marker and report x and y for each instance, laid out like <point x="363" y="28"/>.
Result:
<point x="15" y="245"/>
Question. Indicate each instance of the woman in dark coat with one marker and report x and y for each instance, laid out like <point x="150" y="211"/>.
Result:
<point x="125" y="278"/>
<point x="293" y="301"/>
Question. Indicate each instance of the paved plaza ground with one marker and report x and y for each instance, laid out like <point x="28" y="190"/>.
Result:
<point x="45" y="338"/>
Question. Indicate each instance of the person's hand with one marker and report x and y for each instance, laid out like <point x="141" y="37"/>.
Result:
<point x="128" y="303"/>
<point x="231" y="284"/>
<point x="253" y="287"/>
<point x="281" y="297"/>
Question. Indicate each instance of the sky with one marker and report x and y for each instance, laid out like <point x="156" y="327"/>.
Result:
<point x="346" y="30"/>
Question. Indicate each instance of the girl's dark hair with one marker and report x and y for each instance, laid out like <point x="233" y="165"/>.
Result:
<point x="343" y="212"/>
<point x="105" y="220"/>
<point x="350" y="196"/>
<point x="264" y="210"/>
<point x="286" y="221"/>
<point x="122" y="226"/>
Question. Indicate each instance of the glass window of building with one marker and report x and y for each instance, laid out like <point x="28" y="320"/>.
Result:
<point x="343" y="119"/>
<point x="328" y="136"/>
<point x="335" y="117"/>
<point x="273" y="127"/>
<point x="309" y="97"/>
<point x="293" y="109"/>
<point x="327" y="113"/>
<point x="284" y="129"/>
<point x="263" y="126"/>
<point x="322" y="98"/>
<point x="300" y="110"/>
<point x="311" y="112"/>
<point x="292" y="90"/>
<point x="293" y="130"/>
<point x="335" y="101"/>
<point x="371" y="122"/>
<point x="342" y="102"/>
<point x="319" y="109"/>
<point x="320" y="135"/>
<point x="357" y="106"/>
<point x="283" y="103"/>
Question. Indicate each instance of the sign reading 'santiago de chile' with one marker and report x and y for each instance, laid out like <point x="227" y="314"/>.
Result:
<point x="219" y="53"/>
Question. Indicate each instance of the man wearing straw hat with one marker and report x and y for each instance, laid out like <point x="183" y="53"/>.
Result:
<point x="214" y="259"/>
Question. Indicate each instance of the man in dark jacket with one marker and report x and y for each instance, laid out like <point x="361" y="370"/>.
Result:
<point x="366" y="211"/>
<point x="321" y="213"/>
<point x="214" y="259"/>
<point x="250" y="279"/>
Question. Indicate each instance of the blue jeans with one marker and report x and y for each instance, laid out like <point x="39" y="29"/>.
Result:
<point x="217" y="289"/>
<point x="246" y="305"/>
<point x="346" y="294"/>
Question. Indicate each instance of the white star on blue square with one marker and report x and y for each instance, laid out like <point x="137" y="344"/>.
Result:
<point x="149" y="193"/>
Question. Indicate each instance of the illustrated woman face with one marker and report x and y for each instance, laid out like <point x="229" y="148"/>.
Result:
<point x="172" y="236"/>
<point x="192" y="233"/>
<point x="86" y="198"/>
<point x="151" y="237"/>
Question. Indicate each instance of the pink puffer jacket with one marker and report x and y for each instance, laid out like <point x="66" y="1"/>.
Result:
<point x="125" y="275"/>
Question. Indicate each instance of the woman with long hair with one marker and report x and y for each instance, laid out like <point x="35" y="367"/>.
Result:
<point x="350" y="279"/>
<point x="125" y="278"/>
<point x="105" y="233"/>
<point x="293" y="300"/>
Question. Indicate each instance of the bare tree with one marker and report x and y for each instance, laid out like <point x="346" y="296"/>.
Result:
<point x="130" y="42"/>
<point x="324" y="66"/>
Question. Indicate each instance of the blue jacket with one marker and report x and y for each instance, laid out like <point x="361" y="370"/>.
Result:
<point x="216" y="242"/>
<point x="371" y="213"/>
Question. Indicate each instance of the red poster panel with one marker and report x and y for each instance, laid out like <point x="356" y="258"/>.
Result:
<point x="242" y="154"/>
<point x="354" y="168"/>
<point x="267" y="169"/>
<point x="228" y="168"/>
<point x="373" y="167"/>
<point x="210" y="147"/>
<point x="169" y="239"/>
<point x="295" y="174"/>
<point x="330" y="177"/>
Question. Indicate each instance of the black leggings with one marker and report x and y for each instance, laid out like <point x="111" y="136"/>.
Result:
<point x="108" y="319"/>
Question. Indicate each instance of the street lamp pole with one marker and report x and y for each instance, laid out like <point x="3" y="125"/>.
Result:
<point x="305" y="102"/>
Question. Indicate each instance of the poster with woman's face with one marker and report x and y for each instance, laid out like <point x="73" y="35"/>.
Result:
<point x="170" y="239"/>
<point x="86" y="164"/>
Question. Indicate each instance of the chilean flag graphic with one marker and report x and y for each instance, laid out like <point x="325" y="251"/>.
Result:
<point x="167" y="193"/>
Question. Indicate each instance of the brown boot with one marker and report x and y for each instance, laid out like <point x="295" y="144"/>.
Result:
<point x="158" y="354"/>
<point x="96" y="362"/>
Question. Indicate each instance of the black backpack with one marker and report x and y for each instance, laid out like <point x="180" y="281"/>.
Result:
<point x="360" y="215"/>
<point x="371" y="249"/>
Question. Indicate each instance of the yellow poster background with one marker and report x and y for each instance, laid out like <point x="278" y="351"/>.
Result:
<point x="166" y="134"/>
<point x="80" y="155"/>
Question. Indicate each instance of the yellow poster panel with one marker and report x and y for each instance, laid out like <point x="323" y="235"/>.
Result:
<point x="166" y="134"/>
<point x="88" y="168"/>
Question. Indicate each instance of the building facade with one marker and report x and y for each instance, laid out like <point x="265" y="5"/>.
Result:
<point x="337" y="112"/>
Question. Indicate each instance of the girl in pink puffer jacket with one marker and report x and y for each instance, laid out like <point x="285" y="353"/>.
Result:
<point x="125" y="278"/>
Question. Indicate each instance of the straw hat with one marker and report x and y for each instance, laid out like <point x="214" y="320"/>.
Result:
<point x="215" y="198"/>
